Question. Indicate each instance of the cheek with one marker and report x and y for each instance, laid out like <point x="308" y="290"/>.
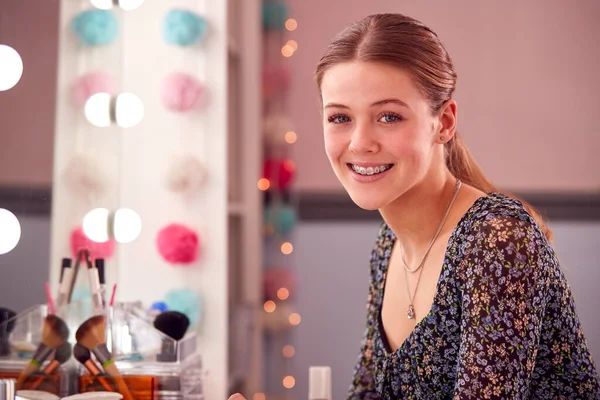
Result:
<point x="334" y="147"/>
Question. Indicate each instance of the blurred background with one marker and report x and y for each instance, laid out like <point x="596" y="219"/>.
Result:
<point x="217" y="142"/>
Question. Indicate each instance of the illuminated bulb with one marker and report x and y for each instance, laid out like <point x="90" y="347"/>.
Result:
<point x="287" y="50"/>
<point x="95" y="225"/>
<point x="270" y="306"/>
<point x="289" y="382"/>
<point x="263" y="184"/>
<point x="129" y="110"/>
<point x="102" y="4"/>
<point x="10" y="231"/>
<point x="97" y="110"/>
<point x="291" y="137"/>
<point x="129" y="5"/>
<point x="127" y="225"/>
<point x="294" y="318"/>
<point x="259" y="396"/>
<point x="289" y="351"/>
<point x="283" y="293"/>
<point x="11" y="67"/>
<point x="287" y="248"/>
<point x="293" y="44"/>
<point x="291" y="24"/>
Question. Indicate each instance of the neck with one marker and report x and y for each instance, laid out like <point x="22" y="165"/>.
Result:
<point x="415" y="216"/>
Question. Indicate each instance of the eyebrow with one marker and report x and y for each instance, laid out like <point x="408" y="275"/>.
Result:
<point x="377" y="103"/>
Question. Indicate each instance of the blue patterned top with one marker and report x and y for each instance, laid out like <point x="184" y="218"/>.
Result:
<point x="503" y="323"/>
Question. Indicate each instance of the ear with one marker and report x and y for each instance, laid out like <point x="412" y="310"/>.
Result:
<point x="446" y="125"/>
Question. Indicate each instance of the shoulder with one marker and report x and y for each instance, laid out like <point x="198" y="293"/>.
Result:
<point x="500" y="237"/>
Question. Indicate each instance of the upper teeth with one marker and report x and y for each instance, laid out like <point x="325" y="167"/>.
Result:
<point x="369" y="170"/>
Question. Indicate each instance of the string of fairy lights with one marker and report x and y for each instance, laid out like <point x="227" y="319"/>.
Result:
<point x="279" y="170"/>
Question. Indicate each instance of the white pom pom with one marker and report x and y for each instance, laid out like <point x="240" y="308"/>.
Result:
<point x="84" y="176"/>
<point x="275" y="127"/>
<point x="186" y="174"/>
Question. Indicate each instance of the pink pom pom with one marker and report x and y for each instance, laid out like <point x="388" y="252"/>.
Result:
<point x="277" y="278"/>
<point x="89" y="84"/>
<point x="181" y="92"/>
<point x="178" y="244"/>
<point x="97" y="250"/>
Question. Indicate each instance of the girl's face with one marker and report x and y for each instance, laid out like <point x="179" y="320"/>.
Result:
<point x="380" y="136"/>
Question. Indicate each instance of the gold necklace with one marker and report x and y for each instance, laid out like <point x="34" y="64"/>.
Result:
<point x="411" y="309"/>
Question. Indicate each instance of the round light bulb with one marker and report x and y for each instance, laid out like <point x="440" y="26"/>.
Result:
<point x="129" y="5"/>
<point x="11" y="67"/>
<point x="97" y="110"/>
<point x="95" y="225"/>
<point x="129" y="110"/>
<point x="127" y="225"/>
<point x="10" y="231"/>
<point x="102" y="4"/>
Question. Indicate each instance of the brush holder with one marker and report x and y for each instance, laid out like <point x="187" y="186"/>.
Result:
<point x="140" y="352"/>
<point x="23" y="341"/>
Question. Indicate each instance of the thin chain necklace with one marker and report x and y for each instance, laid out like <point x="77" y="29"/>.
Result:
<point x="411" y="309"/>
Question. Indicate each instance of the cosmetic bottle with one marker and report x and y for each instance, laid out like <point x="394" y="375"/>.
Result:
<point x="319" y="383"/>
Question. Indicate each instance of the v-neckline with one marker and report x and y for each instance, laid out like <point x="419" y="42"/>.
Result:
<point x="387" y="256"/>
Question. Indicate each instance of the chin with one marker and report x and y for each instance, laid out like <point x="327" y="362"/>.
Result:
<point x="367" y="201"/>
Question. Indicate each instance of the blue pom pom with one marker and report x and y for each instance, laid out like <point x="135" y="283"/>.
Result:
<point x="274" y="15"/>
<point x="186" y="302"/>
<point x="159" y="306"/>
<point x="281" y="217"/>
<point x="95" y="27"/>
<point x="183" y="28"/>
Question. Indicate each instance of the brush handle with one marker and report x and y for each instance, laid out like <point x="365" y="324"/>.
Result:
<point x="112" y="370"/>
<point x="29" y="369"/>
<point x="101" y="352"/>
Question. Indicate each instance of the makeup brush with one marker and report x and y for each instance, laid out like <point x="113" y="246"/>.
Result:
<point x="173" y="324"/>
<point x="94" y="281"/>
<point x="54" y="334"/>
<point x="83" y="355"/>
<point x="92" y="335"/>
<point x="66" y="279"/>
<point x="102" y="279"/>
<point x="7" y="324"/>
<point x="61" y="356"/>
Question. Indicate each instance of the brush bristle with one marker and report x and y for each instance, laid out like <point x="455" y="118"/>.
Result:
<point x="7" y="320"/>
<point x="92" y="332"/>
<point x="55" y="331"/>
<point x="81" y="353"/>
<point x="63" y="353"/>
<point x="172" y="323"/>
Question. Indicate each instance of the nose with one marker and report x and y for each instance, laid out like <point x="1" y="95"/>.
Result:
<point x="363" y="140"/>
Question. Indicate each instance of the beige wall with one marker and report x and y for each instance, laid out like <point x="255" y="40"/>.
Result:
<point x="527" y="89"/>
<point x="27" y="110"/>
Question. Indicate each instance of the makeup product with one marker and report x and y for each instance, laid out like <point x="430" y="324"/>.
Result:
<point x="66" y="280"/>
<point x="36" y="395"/>
<point x="7" y="324"/>
<point x="92" y="335"/>
<point x="173" y="324"/>
<point x="102" y="279"/>
<point x="94" y="281"/>
<point x="82" y="254"/>
<point x="61" y="356"/>
<point x="83" y="355"/>
<point x="54" y="334"/>
<point x="51" y="309"/>
<point x="7" y="389"/>
<point x="319" y="383"/>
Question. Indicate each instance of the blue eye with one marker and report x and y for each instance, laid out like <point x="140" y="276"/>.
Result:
<point x="390" y="118"/>
<point x="338" y="119"/>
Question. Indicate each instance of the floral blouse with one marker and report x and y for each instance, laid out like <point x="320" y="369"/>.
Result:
<point x="503" y="323"/>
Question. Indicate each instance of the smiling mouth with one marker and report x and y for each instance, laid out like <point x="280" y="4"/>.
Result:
<point x="367" y="171"/>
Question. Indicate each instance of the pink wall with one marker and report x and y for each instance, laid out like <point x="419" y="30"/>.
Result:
<point x="27" y="110"/>
<point x="527" y="89"/>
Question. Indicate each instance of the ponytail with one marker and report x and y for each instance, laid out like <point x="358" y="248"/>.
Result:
<point x="462" y="165"/>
